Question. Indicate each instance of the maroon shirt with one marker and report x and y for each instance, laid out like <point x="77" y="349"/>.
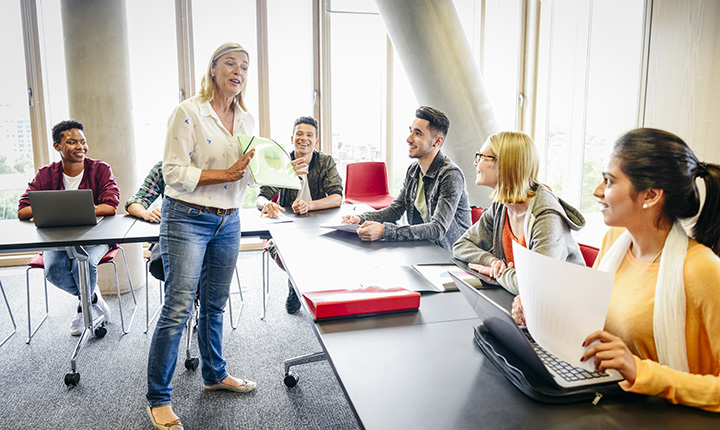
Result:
<point x="97" y="176"/>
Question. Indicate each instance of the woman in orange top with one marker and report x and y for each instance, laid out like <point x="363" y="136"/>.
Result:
<point x="661" y="330"/>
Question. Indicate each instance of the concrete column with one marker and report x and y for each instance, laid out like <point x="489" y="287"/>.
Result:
<point x="98" y="79"/>
<point x="430" y="42"/>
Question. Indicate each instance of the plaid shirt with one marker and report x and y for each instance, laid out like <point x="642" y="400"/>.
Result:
<point x="152" y="188"/>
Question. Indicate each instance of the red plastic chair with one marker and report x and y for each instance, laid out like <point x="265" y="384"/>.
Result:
<point x="367" y="183"/>
<point x="589" y="253"/>
<point x="37" y="263"/>
<point x="476" y="213"/>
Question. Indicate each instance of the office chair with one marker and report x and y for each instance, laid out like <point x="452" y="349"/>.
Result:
<point x="149" y="319"/>
<point x="12" y="319"/>
<point x="589" y="254"/>
<point x="37" y="263"/>
<point x="266" y="270"/>
<point x="367" y="183"/>
<point x="192" y="363"/>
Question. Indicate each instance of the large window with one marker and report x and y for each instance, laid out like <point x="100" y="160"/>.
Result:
<point x="153" y="73"/>
<point x="357" y="73"/>
<point x="588" y="88"/>
<point x="494" y="36"/>
<point x="54" y="76"/>
<point x="16" y="147"/>
<point x="290" y="64"/>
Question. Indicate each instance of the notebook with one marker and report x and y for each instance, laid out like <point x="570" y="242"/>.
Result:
<point x="61" y="208"/>
<point x="501" y="325"/>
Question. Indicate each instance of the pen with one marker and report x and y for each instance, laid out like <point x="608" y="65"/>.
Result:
<point x="249" y="144"/>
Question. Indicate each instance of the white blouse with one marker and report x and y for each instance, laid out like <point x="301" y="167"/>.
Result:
<point x="196" y="141"/>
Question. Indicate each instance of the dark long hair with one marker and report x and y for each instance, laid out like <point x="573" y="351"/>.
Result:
<point x="653" y="158"/>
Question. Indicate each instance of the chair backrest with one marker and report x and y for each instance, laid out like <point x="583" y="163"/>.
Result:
<point x="366" y="179"/>
<point x="476" y="213"/>
<point x="589" y="253"/>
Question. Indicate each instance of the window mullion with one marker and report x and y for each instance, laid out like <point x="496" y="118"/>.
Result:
<point x="36" y="89"/>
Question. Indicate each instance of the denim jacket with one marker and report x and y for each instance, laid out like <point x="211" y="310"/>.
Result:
<point x="447" y="203"/>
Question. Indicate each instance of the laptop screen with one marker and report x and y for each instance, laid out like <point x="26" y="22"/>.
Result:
<point x="60" y="208"/>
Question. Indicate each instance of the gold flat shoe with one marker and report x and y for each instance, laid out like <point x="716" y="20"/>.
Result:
<point x="245" y="387"/>
<point x="175" y="425"/>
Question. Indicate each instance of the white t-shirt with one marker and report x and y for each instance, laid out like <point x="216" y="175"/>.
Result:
<point x="72" y="182"/>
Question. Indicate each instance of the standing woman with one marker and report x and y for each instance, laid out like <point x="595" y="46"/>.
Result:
<point x="523" y="211"/>
<point x="204" y="172"/>
<point x="662" y="325"/>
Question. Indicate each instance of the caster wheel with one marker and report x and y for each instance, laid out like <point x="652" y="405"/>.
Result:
<point x="100" y="332"/>
<point x="192" y="363"/>
<point x="72" y="379"/>
<point x="291" y="380"/>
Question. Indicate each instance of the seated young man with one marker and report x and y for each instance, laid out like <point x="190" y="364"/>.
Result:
<point x="75" y="171"/>
<point x="433" y="197"/>
<point x="321" y="186"/>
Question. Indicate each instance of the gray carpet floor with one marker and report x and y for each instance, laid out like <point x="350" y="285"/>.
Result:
<point x="111" y="392"/>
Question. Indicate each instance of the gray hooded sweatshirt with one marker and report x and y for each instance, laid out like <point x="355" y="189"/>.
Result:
<point x="548" y="226"/>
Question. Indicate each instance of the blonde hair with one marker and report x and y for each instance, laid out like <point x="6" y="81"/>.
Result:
<point x="517" y="166"/>
<point x="207" y="85"/>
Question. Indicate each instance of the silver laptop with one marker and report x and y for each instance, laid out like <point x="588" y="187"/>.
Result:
<point x="501" y="325"/>
<point x="61" y="208"/>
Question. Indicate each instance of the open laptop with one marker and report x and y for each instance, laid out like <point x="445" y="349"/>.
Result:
<point x="61" y="208"/>
<point x="501" y="325"/>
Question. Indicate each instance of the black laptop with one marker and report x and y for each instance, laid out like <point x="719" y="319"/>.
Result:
<point x="62" y="208"/>
<point x="498" y="322"/>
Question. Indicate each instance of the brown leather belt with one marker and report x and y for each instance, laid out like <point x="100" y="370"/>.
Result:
<point x="217" y="211"/>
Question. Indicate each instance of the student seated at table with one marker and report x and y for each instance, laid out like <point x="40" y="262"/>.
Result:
<point x="433" y="197"/>
<point x="75" y="171"/>
<point x="662" y="325"/>
<point x="523" y="211"/>
<point x="153" y="187"/>
<point x="321" y="187"/>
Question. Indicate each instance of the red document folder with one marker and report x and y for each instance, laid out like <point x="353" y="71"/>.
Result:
<point x="337" y="303"/>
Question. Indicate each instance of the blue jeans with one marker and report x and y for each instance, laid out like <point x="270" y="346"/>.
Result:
<point x="63" y="272"/>
<point x="199" y="253"/>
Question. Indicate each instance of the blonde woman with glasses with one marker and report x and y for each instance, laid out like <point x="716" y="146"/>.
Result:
<point x="523" y="211"/>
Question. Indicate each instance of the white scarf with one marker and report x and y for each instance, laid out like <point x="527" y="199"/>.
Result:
<point x="669" y="310"/>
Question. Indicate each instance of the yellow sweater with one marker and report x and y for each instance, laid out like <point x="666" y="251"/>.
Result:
<point x="630" y="317"/>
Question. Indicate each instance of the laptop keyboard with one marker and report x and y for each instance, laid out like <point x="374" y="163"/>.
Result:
<point x="562" y="368"/>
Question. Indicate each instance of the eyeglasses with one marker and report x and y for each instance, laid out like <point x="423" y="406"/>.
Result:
<point x="480" y="157"/>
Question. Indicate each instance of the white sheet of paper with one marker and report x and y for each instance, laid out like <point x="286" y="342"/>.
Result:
<point x="563" y="302"/>
<point x="281" y="217"/>
<point x="340" y="226"/>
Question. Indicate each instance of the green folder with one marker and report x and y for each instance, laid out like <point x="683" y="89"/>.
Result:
<point x="271" y="165"/>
